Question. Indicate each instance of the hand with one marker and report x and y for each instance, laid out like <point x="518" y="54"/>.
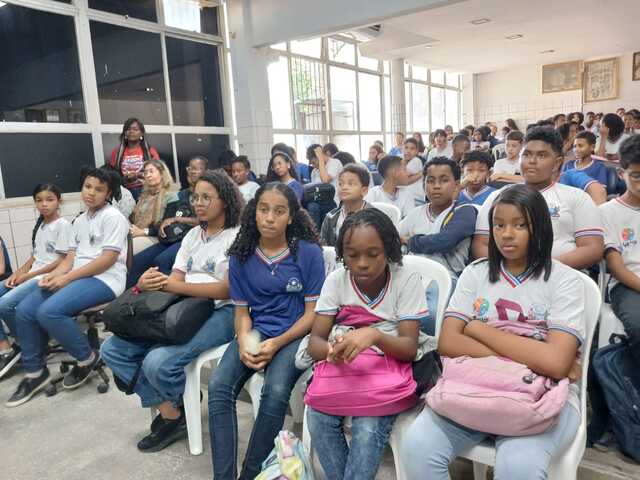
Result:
<point x="165" y="223"/>
<point x="130" y="176"/>
<point x="21" y="278"/>
<point x="268" y="348"/>
<point x="11" y="281"/>
<point x="575" y="374"/>
<point x="56" y="283"/>
<point x="604" y="131"/>
<point x="249" y="359"/>
<point x="355" y="342"/>
<point x="46" y="280"/>
<point x="137" y="231"/>
<point x="331" y="353"/>
<point x="496" y="177"/>
<point x="404" y="240"/>
<point x="319" y="154"/>
<point x="152" y="280"/>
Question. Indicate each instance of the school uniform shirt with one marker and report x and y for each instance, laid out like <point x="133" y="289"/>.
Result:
<point x="506" y="166"/>
<point x="611" y="148"/>
<point x="334" y="167"/>
<point x="52" y="240"/>
<point x="478" y="199"/>
<point x="416" y="190"/>
<point x="621" y="231"/>
<point x="557" y="304"/>
<point x="275" y="289"/>
<point x="248" y="190"/>
<point x="595" y="170"/>
<point x="445" y="152"/>
<point x="399" y="198"/>
<point x="397" y="151"/>
<point x="573" y="215"/>
<point x="94" y="233"/>
<point x="576" y="179"/>
<point x="297" y="188"/>
<point x="445" y="238"/>
<point x="132" y="161"/>
<point x="203" y="259"/>
<point x="332" y="222"/>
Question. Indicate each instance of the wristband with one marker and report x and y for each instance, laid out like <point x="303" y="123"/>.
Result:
<point x="136" y="290"/>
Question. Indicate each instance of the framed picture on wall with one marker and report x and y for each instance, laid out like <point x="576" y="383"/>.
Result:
<point x="560" y="77"/>
<point x="636" y="66"/>
<point x="601" y="79"/>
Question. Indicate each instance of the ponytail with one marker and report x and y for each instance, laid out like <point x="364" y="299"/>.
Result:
<point x="35" y="231"/>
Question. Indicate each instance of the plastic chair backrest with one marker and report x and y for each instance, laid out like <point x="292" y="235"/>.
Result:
<point x="391" y="211"/>
<point x="377" y="178"/>
<point x="7" y="261"/>
<point x="498" y="151"/>
<point x="330" y="263"/>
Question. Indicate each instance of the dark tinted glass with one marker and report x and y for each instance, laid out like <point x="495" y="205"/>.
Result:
<point x="39" y="72"/>
<point x="194" y="77"/>
<point x="129" y="72"/>
<point x="210" y="146"/>
<point x="160" y="141"/>
<point x="193" y="15"/>
<point x="31" y="158"/>
<point x="142" y="9"/>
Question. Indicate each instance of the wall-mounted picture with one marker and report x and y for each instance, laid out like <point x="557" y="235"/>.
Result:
<point x="636" y="66"/>
<point x="601" y="79"/>
<point x="560" y="77"/>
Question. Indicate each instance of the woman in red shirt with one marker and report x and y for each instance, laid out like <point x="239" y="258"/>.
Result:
<point x="129" y="157"/>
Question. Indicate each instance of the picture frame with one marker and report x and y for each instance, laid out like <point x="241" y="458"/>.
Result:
<point x="601" y="80"/>
<point x="636" y="67"/>
<point x="562" y="77"/>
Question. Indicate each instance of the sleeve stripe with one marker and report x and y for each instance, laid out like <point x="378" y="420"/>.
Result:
<point x="311" y="298"/>
<point x="481" y="232"/>
<point x="240" y="303"/>
<point x="588" y="184"/>
<point x="416" y="316"/>
<point x="111" y="248"/>
<point x="613" y="246"/>
<point x="179" y="270"/>
<point x="593" y="232"/>
<point x="459" y="315"/>
<point x="566" y="329"/>
<point x="327" y="311"/>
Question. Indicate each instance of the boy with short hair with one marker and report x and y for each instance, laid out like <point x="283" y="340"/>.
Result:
<point x="353" y="185"/>
<point x="583" y="147"/>
<point x="240" y="168"/>
<point x="508" y="169"/>
<point x="394" y="174"/>
<point x="442" y="147"/>
<point x="460" y="145"/>
<point x="413" y="165"/>
<point x="476" y="169"/>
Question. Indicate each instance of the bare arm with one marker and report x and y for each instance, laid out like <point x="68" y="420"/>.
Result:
<point x="95" y="267"/>
<point x="597" y="192"/>
<point x="588" y="252"/>
<point x="318" y="342"/>
<point x="322" y="166"/>
<point x="480" y="246"/>
<point x="216" y="290"/>
<point x="454" y="343"/>
<point x="620" y="271"/>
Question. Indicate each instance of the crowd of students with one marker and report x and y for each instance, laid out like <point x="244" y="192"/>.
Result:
<point x="523" y="205"/>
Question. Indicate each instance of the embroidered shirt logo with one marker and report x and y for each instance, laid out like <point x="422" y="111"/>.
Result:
<point x="538" y="312"/>
<point x="554" y="211"/>
<point x="50" y="247"/>
<point x="294" y="285"/>
<point x="481" y="308"/>
<point x="189" y="264"/>
<point x="628" y="237"/>
<point x="210" y="265"/>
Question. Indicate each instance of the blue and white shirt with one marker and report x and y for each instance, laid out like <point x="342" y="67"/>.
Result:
<point x="477" y="199"/>
<point x="52" y="242"/>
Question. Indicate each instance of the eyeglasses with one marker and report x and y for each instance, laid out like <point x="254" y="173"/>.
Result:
<point x="195" y="170"/>
<point x="204" y="200"/>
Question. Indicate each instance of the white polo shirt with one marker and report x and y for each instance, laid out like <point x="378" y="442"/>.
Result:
<point x="416" y="190"/>
<point x="52" y="241"/>
<point x="334" y="167"/>
<point x="248" y="190"/>
<point x="400" y="198"/>
<point x="621" y="232"/>
<point x="506" y="166"/>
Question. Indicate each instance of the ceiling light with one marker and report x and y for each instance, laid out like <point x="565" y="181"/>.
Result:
<point x="514" y="37"/>
<point x="480" y="21"/>
<point x="428" y="46"/>
<point x="547" y="51"/>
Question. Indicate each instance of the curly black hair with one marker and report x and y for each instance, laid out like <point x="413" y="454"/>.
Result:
<point x="372" y="217"/>
<point x="300" y="228"/>
<point x="106" y="175"/>
<point x="228" y="193"/>
<point x="547" y="135"/>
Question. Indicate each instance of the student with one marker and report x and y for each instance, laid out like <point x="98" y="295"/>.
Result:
<point x="375" y="153"/>
<point x="621" y="217"/>
<point x="240" y="168"/>
<point x="50" y="241"/>
<point x="372" y="288"/>
<point x="418" y="138"/>
<point x="580" y="180"/>
<point x="448" y="129"/>
<point x="398" y="148"/>
<point x="511" y="124"/>
<point x="476" y="169"/>
<point x="276" y="271"/>
<point x="577" y="227"/>
<point x="559" y="120"/>
<point x="508" y="169"/>
<point x="281" y="169"/>
<point x="200" y="270"/>
<point x="611" y="137"/>
<point x="568" y="132"/>
<point x="93" y="273"/>
<point x="442" y="148"/>
<point x="459" y="145"/>
<point x="330" y="149"/>
<point x="518" y="287"/>
<point x="391" y="169"/>
<point x="590" y="123"/>
<point x="326" y="170"/>
<point x="353" y="185"/>
<point x="414" y="188"/>
<point x="584" y="144"/>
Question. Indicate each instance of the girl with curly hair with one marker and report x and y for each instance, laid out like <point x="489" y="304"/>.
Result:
<point x="276" y="271"/>
<point x="282" y="168"/>
<point x="200" y="270"/>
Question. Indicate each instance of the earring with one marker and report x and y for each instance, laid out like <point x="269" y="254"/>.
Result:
<point x="141" y="137"/>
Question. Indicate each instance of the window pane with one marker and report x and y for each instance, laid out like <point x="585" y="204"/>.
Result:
<point x="128" y="88"/>
<point x="194" y="78"/>
<point x="452" y="79"/>
<point x="387" y="104"/>
<point x="406" y="70"/>
<point x="192" y="15"/>
<point x="342" y="52"/>
<point x="142" y="9"/>
<point x="437" y="76"/>
<point x="437" y="108"/>
<point x="348" y="143"/>
<point x="160" y="141"/>
<point x="407" y="103"/>
<point x="368" y="63"/>
<point x="343" y="99"/>
<point x="53" y="157"/>
<point x="310" y="48"/>
<point x="303" y="141"/>
<point x="286" y="138"/>
<point x="365" y="142"/>
<point x="211" y="146"/>
<point x="309" y="93"/>
<point x="369" y="101"/>
<point x="418" y="72"/>
<point x="39" y="71"/>
<point x="452" y="110"/>
<point x="279" y="46"/>
<point x="420" y="106"/>
<point x="280" y="93"/>
<point x="386" y="67"/>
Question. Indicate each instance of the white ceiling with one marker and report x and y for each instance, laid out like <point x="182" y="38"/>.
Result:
<point x="575" y="29"/>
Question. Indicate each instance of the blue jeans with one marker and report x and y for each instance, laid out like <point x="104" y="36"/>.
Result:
<point x="317" y="211"/>
<point x="44" y="313"/>
<point x="433" y="441"/>
<point x="359" y="460"/>
<point x="158" y="255"/>
<point x="225" y="384"/>
<point x="162" y="376"/>
<point x="9" y="300"/>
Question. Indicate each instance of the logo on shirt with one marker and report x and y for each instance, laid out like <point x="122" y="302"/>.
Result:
<point x="189" y="264"/>
<point x="481" y="308"/>
<point x="210" y="265"/>
<point x="50" y="247"/>
<point x="92" y="239"/>
<point x="77" y="238"/>
<point x="538" y="312"/>
<point x="554" y="212"/>
<point x="628" y="237"/>
<point x="294" y="285"/>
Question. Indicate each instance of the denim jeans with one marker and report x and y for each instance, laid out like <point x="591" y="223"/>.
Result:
<point x="158" y="255"/>
<point x="9" y="300"/>
<point x="225" y="384"/>
<point x="433" y="441"/>
<point x="317" y="211"/>
<point x="162" y="377"/>
<point x="44" y="313"/>
<point x="625" y="303"/>
<point x="359" y="460"/>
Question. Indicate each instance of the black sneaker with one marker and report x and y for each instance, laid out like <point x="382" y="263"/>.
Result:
<point x="9" y="360"/>
<point x="78" y="375"/>
<point x="166" y="433"/>
<point x="27" y="388"/>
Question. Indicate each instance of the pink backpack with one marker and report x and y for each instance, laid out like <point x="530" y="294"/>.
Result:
<point x="498" y="396"/>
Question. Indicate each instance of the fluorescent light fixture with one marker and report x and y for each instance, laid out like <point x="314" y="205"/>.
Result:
<point x="514" y="37"/>
<point x="480" y="21"/>
<point x="551" y="50"/>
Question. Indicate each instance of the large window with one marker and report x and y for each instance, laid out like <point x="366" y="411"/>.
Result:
<point x="73" y="71"/>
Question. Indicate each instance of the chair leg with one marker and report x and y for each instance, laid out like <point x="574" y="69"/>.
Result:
<point x="192" y="409"/>
<point x="479" y="471"/>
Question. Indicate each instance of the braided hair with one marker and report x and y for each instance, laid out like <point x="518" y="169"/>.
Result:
<point x="43" y="187"/>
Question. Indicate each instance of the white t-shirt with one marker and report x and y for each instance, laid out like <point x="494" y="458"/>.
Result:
<point x="446" y="152"/>
<point x="248" y="190"/>
<point x="506" y="166"/>
<point x="621" y="230"/>
<point x="400" y="198"/>
<point x="204" y="259"/>
<point x="106" y="229"/>
<point x="334" y="167"/>
<point x="611" y="148"/>
<point x="52" y="241"/>
<point x="416" y="189"/>
<point x="573" y="215"/>
<point x="524" y="302"/>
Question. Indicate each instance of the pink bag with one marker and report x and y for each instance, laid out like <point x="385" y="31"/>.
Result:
<point x="371" y="385"/>
<point x="498" y="396"/>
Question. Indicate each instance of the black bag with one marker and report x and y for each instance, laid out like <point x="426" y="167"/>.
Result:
<point x="318" y="193"/>
<point x="176" y="231"/>
<point x="159" y="317"/>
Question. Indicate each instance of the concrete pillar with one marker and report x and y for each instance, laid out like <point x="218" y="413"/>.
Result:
<point x="398" y="106"/>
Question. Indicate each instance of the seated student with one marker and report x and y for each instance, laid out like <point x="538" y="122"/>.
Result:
<point x="460" y="145"/>
<point x="414" y="188"/>
<point x="373" y="287"/>
<point x="326" y="169"/>
<point x="200" y="270"/>
<point x="282" y="169"/>
<point x="50" y="242"/>
<point x="621" y="217"/>
<point x="276" y="271"/>
<point x="240" y="168"/>
<point x="584" y="144"/>
<point x="394" y="176"/>
<point x="398" y="148"/>
<point x="476" y="169"/>
<point x="577" y="226"/>
<point x="442" y="148"/>
<point x="353" y="185"/>
<point x="127" y="204"/>
<point x="580" y="180"/>
<point x="484" y="314"/>
<point x="480" y="139"/>
<point x="568" y="132"/>
<point x="508" y="169"/>
<point x="611" y="137"/>
<point x="93" y="273"/>
<point x="375" y="153"/>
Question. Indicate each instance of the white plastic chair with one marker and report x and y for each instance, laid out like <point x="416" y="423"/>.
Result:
<point x="565" y="465"/>
<point x="390" y="211"/>
<point x="609" y="323"/>
<point x="499" y="151"/>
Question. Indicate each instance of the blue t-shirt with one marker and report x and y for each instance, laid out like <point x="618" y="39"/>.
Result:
<point x="477" y="199"/>
<point x="596" y="170"/>
<point x="276" y="289"/>
<point x="304" y="173"/>
<point x="576" y="179"/>
<point x="297" y="188"/>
